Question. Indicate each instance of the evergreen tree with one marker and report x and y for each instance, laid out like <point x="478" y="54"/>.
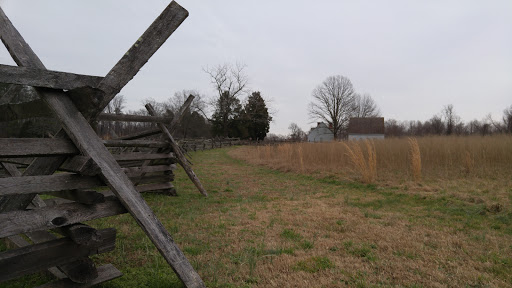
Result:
<point x="256" y="118"/>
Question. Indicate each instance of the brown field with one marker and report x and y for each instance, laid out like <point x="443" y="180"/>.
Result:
<point x="442" y="158"/>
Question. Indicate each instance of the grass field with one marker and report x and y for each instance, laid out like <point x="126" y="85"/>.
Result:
<point x="268" y="228"/>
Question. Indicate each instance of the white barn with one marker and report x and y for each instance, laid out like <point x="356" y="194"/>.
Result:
<point x="321" y="133"/>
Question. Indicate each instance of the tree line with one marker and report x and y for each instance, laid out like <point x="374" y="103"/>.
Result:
<point x="447" y="122"/>
<point x="234" y="111"/>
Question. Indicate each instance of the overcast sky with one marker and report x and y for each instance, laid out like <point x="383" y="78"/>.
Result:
<point x="413" y="57"/>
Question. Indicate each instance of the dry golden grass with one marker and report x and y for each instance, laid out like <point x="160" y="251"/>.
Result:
<point x="415" y="155"/>
<point x="439" y="157"/>
<point x="366" y="166"/>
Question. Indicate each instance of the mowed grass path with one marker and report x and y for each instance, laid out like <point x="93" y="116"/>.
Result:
<point x="265" y="228"/>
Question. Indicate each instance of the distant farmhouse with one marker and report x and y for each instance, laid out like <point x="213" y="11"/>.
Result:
<point x="366" y="128"/>
<point x="320" y="133"/>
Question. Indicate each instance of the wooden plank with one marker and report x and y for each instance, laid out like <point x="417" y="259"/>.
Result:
<point x="50" y="183"/>
<point x="30" y="259"/>
<point x="105" y="273"/>
<point x="143" y="156"/>
<point x="142" y="134"/>
<point x="81" y="234"/>
<point x="80" y="196"/>
<point x="132" y="118"/>
<point x="82" y="165"/>
<point x="156" y="186"/>
<point x="137" y="171"/>
<point x="87" y="141"/>
<point x="32" y="147"/>
<point x="154" y="179"/>
<point x="45" y="78"/>
<point x="179" y="155"/>
<point x="140" y="52"/>
<point x="136" y="143"/>
<point x="86" y="270"/>
<point x="51" y="217"/>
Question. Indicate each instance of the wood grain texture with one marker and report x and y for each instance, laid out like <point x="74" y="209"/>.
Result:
<point x="51" y="217"/>
<point x="29" y="259"/>
<point x="143" y="156"/>
<point x="50" y="183"/>
<point x="136" y="143"/>
<point x="141" y="134"/>
<point x="137" y="171"/>
<point x="82" y="165"/>
<point x="45" y="78"/>
<point x="34" y="147"/>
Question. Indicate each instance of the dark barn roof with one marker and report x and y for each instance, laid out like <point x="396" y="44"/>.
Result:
<point x="373" y="125"/>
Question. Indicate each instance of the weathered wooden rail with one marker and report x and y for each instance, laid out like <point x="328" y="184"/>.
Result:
<point x="81" y="179"/>
<point x="207" y="144"/>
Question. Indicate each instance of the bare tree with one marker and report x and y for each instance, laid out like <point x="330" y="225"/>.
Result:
<point x="333" y="102"/>
<point x="227" y="77"/>
<point x="296" y="133"/>
<point x="229" y="82"/>
<point x="450" y="118"/>
<point x="365" y="106"/>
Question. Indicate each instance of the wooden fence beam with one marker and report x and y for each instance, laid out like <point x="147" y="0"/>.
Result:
<point x="137" y="171"/>
<point x="80" y="196"/>
<point x="45" y="78"/>
<point x="179" y="155"/>
<point x="36" y="147"/>
<point x="131" y="118"/>
<point x="82" y="165"/>
<point x="143" y="156"/>
<point x="30" y="259"/>
<point x="50" y="183"/>
<point x="136" y="143"/>
<point x="51" y="217"/>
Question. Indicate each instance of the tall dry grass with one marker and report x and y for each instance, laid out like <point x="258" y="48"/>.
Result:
<point x="415" y="156"/>
<point x="440" y="156"/>
<point x="365" y="165"/>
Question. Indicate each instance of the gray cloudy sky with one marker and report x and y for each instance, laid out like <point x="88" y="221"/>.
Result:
<point x="413" y="57"/>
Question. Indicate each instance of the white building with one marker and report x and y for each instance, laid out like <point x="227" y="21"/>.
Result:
<point x="321" y="133"/>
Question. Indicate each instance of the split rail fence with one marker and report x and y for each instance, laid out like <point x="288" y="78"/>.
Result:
<point x="84" y="180"/>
